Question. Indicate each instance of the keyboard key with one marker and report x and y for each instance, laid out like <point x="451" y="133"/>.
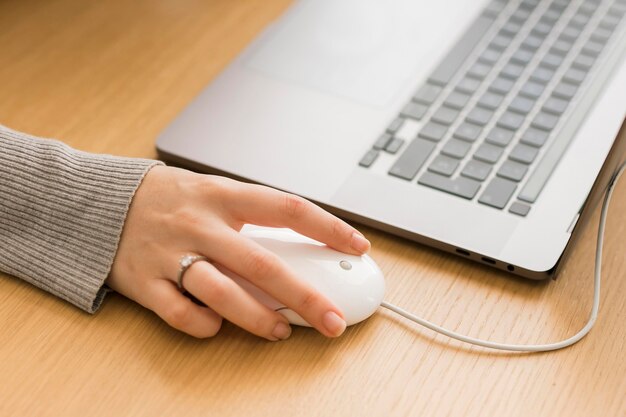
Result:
<point x="444" y="165"/>
<point x="559" y="5"/>
<point x="618" y="10"/>
<point x="583" y="62"/>
<point x="427" y="93"/>
<point x="510" y="28"/>
<point x="532" y="42"/>
<point x="457" y="100"/>
<point x="500" y="42"/>
<point x="501" y="85"/>
<point x="433" y="131"/>
<point x="574" y="76"/>
<point x="531" y="89"/>
<point x="565" y="90"/>
<point x="512" y="170"/>
<point x="545" y="121"/>
<point x="369" y="158"/>
<point x="394" y="145"/>
<point x="542" y="29"/>
<point x="479" y="70"/>
<point x="490" y="100"/>
<point x="542" y="75"/>
<point x="529" y="4"/>
<point x="468" y="85"/>
<point x="460" y="186"/>
<point x="520" y="15"/>
<point x="412" y="159"/>
<point x="494" y="8"/>
<point x="445" y="115"/>
<point x="395" y="125"/>
<point x="551" y="61"/>
<point x="561" y="47"/>
<point x="522" y="56"/>
<point x="601" y="35"/>
<point x="414" y="110"/>
<point x="488" y="153"/>
<point x="587" y="8"/>
<point x="382" y="141"/>
<point x="550" y="16"/>
<point x="592" y="48"/>
<point x="456" y="148"/>
<point x="476" y="170"/>
<point x="609" y="22"/>
<point x="510" y="120"/>
<point x="490" y="56"/>
<point x="500" y="137"/>
<point x="479" y="116"/>
<point x="571" y="33"/>
<point x="521" y="105"/>
<point x="521" y="209"/>
<point x="579" y="20"/>
<point x="467" y="132"/>
<point x="498" y="193"/>
<point x="535" y="137"/>
<point x="523" y="153"/>
<point x="542" y="172"/>
<point x="457" y="55"/>
<point x="555" y="106"/>
<point x="512" y="71"/>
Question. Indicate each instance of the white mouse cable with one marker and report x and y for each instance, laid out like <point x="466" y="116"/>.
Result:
<point x="543" y="347"/>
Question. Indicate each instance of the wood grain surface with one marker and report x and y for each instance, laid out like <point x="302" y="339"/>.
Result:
<point x="107" y="76"/>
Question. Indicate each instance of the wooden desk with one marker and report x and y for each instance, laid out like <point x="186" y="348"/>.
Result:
<point x="107" y="76"/>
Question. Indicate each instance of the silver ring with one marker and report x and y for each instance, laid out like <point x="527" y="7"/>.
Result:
<point x="185" y="262"/>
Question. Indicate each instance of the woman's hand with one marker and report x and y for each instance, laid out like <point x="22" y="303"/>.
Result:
<point x="176" y="212"/>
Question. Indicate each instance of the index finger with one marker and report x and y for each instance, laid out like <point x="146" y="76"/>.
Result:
<point x="267" y="271"/>
<point x="266" y="206"/>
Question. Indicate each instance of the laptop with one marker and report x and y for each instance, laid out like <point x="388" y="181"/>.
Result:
<point x="486" y="129"/>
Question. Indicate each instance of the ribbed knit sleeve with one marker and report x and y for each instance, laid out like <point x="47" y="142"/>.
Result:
<point x="61" y="214"/>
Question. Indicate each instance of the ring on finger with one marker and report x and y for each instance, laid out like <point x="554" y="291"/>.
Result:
<point x="185" y="263"/>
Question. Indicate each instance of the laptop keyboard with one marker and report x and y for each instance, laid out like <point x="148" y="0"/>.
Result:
<point x="497" y="113"/>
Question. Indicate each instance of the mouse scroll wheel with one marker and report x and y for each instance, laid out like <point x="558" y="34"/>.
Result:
<point x="345" y="265"/>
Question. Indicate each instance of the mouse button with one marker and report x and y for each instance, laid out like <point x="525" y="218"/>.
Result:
<point x="345" y="265"/>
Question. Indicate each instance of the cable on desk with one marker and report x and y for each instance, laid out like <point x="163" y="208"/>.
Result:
<point x="541" y="347"/>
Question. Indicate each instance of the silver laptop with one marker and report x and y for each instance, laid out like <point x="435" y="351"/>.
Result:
<point x="483" y="129"/>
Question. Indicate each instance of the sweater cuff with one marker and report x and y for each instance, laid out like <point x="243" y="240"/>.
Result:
<point x="62" y="212"/>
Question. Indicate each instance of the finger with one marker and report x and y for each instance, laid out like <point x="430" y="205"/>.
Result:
<point x="269" y="207"/>
<point x="180" y="312"/>
<point x="233" y="303"/>
<point x="267" y="271"/>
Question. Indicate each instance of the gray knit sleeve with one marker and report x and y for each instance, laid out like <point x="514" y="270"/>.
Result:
<point x="62" y="213"/>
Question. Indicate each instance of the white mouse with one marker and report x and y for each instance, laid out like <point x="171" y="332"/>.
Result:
<point x="354" y="283"/>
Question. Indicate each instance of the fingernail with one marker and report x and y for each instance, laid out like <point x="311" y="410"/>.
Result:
<point x="359" y="243"/>
<point x="333" y="323"/>
<point x="281" y="331"/>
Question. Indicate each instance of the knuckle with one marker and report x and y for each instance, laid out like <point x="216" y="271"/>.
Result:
<point x="177" y="315"/>
<point x="216" y="187"/>
<point x="338" y="228"/>
<point x="295" y="207"/>
<point x="189" y="219"/>
<point x="209" y="330"/>
<point x="309" y="300"/>
<point x="212" y="329"/>
<point x="260" y="326"/>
